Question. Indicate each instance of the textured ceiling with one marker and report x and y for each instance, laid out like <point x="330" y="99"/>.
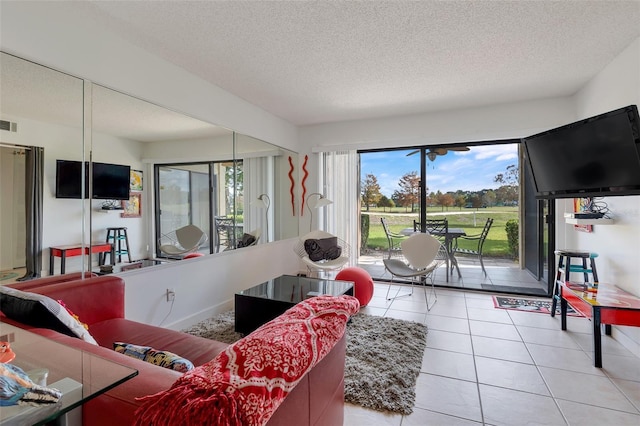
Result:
<point x="315" y="62"/>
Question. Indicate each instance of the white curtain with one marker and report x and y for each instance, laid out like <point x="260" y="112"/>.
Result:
<point x="258" y="180"/>
<point x="340" y="183"/>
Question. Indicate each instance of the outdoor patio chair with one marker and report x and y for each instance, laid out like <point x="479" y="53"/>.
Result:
<point x="393" y="239"/>
<point x="479" y="239"/>
<point x="424" y="254"/>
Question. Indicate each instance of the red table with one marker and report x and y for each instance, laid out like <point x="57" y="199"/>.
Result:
<point x="607" y="305"/>
<point x="76" y="250"/>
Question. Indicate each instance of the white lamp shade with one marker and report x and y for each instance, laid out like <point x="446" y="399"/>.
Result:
<point x="320" y="202"/>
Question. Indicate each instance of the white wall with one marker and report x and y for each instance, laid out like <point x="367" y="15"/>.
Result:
<point x="205" y="285"/>
<point x="618" y="245"/>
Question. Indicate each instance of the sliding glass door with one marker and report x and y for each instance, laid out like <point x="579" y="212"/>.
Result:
<point x="199" y="194"/>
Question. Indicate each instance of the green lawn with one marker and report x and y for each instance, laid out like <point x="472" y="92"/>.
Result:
<point x="495" y="245"/>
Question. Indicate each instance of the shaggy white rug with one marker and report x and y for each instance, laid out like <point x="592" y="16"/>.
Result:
<point x="384" y="356"/>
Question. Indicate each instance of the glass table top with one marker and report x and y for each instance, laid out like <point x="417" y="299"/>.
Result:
<point x="294" y="289"/>
<point x="79" y="375"/>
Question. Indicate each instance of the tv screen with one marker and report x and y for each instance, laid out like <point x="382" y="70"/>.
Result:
<point x="597" y="156"/>
<point x="110" y="181"/>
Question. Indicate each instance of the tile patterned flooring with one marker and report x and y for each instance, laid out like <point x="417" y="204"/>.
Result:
<point x="487" y="366"/>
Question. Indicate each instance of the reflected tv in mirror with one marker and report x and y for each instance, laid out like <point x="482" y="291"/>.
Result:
<point x="110" y="181"/>
<point x="597" y="156"/>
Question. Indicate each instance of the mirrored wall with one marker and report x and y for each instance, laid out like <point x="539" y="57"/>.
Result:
<point x="184" y="172"/>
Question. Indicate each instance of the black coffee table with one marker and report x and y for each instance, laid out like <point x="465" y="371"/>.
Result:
<point x="262" y="303"/>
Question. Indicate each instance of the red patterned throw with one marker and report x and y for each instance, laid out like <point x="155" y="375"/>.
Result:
<point x="246" y="383"/>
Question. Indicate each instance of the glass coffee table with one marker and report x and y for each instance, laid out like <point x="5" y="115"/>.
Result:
<point x="79" y="375"/>
<point x="262" y="303"/>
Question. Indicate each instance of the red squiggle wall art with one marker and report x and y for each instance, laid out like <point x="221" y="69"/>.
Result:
<point x="304" y="180"/>
<point x="293" y="182"/>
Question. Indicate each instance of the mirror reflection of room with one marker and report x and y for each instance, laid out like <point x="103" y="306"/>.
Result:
<point x="183" y="173"/>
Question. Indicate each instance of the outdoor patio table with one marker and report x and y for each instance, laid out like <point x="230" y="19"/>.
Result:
<point x="449" y="237"/>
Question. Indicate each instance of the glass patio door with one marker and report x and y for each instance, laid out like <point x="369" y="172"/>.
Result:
<point x="184" y="198"/>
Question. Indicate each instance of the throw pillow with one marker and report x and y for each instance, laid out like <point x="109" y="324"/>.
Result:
<point x="246" y="240"/>
<point x="148" y="354"/>
<point x="38" y="310"/>
<point x="322" y="249"/>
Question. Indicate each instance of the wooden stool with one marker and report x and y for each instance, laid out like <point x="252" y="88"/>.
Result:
<point x="118" y="237"/>
<point x="566" y="268"/>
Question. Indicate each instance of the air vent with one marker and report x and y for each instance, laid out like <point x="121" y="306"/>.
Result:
<point x="8" y="126"/>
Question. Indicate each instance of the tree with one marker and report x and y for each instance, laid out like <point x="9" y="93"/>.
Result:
<point x="489" y="198"/>
<point x="448" y="200"/>
<point x="510" y="179"/>
<point x="409" y="193"/>
<point x="460" y="201"/>
<point x="370" y="191"/>
<point x="476" y="201"/>
<point x="385" y="202"/>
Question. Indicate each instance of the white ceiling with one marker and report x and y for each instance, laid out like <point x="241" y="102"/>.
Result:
<point x="320" y="61"/>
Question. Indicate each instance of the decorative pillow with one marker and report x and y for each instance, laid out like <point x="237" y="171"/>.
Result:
<point x="38" y="310"/>
<point x="153" y="356"/>
<point x="77" y="318"/>
<point x="246" y="241"/>
<point x="323" y="249"/>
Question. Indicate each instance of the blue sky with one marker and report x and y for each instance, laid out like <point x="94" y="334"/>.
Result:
<point x="472" y="170"/>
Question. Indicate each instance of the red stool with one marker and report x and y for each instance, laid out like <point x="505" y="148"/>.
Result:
<point x="363" y="283"/>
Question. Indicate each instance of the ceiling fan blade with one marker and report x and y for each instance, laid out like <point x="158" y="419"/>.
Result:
<point x="459" y="148"/>
<point x="440" y="151"/>
<point x="413" y="152"/>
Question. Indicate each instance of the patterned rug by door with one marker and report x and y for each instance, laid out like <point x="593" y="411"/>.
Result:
<point x="529" y="305"/>
<point x="7" y="275"/>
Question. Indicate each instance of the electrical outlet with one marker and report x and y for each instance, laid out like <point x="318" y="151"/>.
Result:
<point x="171" y="295"/>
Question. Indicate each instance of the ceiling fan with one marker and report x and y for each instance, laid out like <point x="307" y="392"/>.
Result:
<point x="432" y="153"/>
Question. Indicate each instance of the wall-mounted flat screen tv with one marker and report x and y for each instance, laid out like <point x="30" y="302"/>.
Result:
<point x="110" y="181"/>
<point x="597" y="156"/>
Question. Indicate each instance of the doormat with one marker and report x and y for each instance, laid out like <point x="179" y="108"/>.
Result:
<point x="529" y="305"/>
<point x="7" y="275"/>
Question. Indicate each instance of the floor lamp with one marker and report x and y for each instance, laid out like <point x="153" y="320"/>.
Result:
<point x="322" y="201"/>
<point x="263" y="201"/>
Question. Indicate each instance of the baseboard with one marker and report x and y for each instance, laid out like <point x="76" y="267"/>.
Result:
<point x="202" y="315"/>
<point x="625" y="341"/>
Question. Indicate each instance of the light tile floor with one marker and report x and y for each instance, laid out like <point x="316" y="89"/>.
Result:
<point x="499" y="367"/>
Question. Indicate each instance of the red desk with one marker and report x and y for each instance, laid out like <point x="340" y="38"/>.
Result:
<point x="76" y="250"/>
<point x="608" y="305"/>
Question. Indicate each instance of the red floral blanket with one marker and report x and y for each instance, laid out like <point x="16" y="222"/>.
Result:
<point x="245" y="384"/>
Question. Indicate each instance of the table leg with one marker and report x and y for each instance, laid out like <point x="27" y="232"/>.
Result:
<point x="597" y="339"/>
<point x="607" y="329"/>
<point x="51" y="257"/>
<point x="63" y="258"/>
<point x="563" y="313"/>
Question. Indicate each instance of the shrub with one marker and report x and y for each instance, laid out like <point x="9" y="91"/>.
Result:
<point x="512" y="236"/>
<point x="364" y="231"/>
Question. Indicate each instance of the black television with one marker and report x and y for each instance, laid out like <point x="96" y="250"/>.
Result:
<point x="110" y="181"/>
<point x="597" y="156"/>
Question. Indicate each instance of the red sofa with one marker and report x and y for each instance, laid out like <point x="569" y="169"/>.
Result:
<point x="99" y="302"/>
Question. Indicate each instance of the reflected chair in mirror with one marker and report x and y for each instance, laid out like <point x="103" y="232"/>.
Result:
<point x="182" y="241"/>
<point x="478" y="241"/>
<point x="249" y="239"/>
<point x="424" y="254"/>
<point x="226" y="235"/>
<point x="393" y="239"/>
<point x="322" y="252"/>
